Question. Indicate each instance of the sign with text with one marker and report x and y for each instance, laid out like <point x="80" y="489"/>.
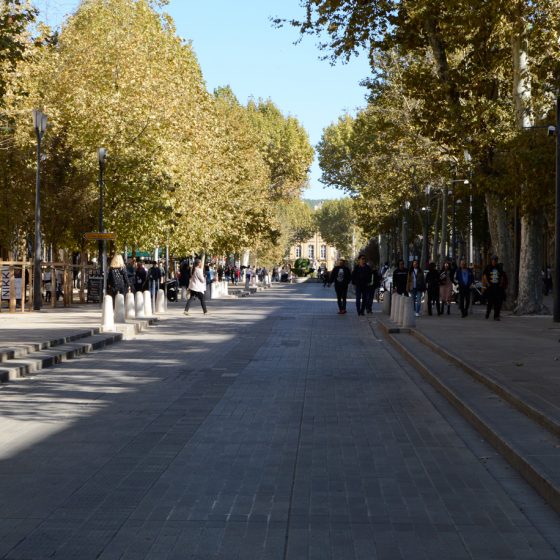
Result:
<point x="6" y="283"/>
<point x="95" y="289"/>
<point x="99" y="236"/>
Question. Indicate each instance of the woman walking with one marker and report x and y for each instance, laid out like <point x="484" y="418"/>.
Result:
<point x="197" y="286"/>
<point x="117" y="278"/>
<point x="445" y="287"/>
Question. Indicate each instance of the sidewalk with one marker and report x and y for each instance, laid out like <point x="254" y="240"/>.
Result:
<point x="522" y="353"/>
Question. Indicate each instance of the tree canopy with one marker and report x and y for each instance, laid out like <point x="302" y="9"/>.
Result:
<point x="196" y="169"/>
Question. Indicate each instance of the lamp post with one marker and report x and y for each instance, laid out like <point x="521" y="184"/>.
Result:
<point x="556" y="279"/>
<point x="40" y="125"/>
<point x="405" y="233"/>
<point x="102" y="157"/>
<point x="454" y="225"/>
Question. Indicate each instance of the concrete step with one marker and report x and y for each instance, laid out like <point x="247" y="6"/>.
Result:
<point x="547" y="417"/>
<point x="533" y="450"/>
<point x="22" y="350"/>
<point x="44" y="358"/>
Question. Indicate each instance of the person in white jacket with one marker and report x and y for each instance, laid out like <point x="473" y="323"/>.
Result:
<point x="197" y="286"/>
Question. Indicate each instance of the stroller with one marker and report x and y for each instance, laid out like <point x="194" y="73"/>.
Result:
<point x="477" y="295"/>
<point x="172" y="289"/>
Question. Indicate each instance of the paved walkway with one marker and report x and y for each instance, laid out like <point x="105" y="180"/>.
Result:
<point x="271" y="428"/>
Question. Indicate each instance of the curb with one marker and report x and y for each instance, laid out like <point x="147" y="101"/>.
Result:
<point x="545" y="487"/>
<point x="508" y="395"/>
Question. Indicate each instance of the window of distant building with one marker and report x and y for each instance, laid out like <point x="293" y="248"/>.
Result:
<point x="298" y="251"/>
<point x="323" y="251"/>
<point x="310" y="251"/>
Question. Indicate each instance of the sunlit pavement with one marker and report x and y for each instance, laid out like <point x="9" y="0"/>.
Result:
<point x="270" y="428"/>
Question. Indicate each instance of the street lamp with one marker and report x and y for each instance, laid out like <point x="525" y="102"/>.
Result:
<point x="102" y="157"/>
<point x="405" y="232"/>
<point x="40" y="125"/>
<point x="556" y="279"/>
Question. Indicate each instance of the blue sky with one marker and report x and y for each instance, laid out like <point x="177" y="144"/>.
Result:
<point x="237" y="45"/>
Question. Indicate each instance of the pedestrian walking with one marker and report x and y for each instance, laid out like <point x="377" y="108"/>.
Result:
<point x="248" y="276"/>
<point x="400" y="278"/>
<point x="117" y="278"/>
<point x="197" y="286"/>
<point x="432" y="288"/>
<point x="373" y="289"/>
<point x="361" y="279"/>
<point x="184" y="277"/>
<point x="154" y="278"/>
<point x="464" y="278"/>
<point x="140" y="277"/>
<point x="494" y="285"/>
<point x="341" y="277"/>
<point x="445" y="287"/>
<point x="416" y="286"/>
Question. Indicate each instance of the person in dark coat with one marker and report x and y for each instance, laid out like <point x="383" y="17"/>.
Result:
<point x="140" y="277"/>
<point x="432" y="287"/>
<point x="361" y="278"/>
<point x="416" y="286"/>
<point x="184" y="278"/>
<point x="494" y="284"/>
<point x="464" y="278"/>
<point x="341" y="277"/>
<point x="400" y="278"/>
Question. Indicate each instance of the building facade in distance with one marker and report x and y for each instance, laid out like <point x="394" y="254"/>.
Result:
<point x="316" y="250"/>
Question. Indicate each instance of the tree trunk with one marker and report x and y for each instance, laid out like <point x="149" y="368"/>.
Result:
<point x="502" y="240"/>
<point x="530" y="296"/>
<point x="529" y="282"/>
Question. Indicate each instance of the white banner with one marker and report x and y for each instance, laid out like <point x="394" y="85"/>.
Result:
<point x="6" y="284"/>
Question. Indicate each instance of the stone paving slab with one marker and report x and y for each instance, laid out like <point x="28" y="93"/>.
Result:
<point x="270" y="428"/>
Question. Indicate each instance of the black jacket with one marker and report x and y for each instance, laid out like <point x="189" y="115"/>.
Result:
<point x="361" y="276"/>
<point x="346" y="276"/>
<point x="117" y="281"/>
<point x="432" y="281"/>
<point x="400" y="278"/>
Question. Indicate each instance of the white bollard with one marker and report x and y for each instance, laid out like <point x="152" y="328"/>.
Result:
<point x="409" y="318"/>
<point x="160" y="301"/>
<point x="387" y="303"/>
<point x="119" y="308"/>
<point x="139" y="305"/>
<point x="129" y="309"/>
<point x="147" y="304"/>
<point x="108" y="319"/>
<point x="397" y="302"/>
<point x="400" y="311"/>
<point x="226" y="288"/>
<point x="394" y="306"/>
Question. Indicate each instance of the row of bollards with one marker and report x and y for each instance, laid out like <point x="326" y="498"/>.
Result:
<point x="131" y="306"/>
<point x="400" y="308"/>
